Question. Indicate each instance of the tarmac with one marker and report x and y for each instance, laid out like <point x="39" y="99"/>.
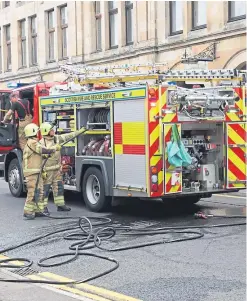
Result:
<point x="32" y="292"/>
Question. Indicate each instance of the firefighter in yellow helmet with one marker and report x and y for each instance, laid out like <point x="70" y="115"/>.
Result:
<point x="32" y="162"/>
<point x="53" y="168"/>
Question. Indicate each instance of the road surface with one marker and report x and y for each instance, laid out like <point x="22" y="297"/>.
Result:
<point x="209" y="268"/>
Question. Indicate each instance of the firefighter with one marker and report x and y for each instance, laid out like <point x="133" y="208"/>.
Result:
<point x="32" y="162"/>
<point x="53" y="168"/>
<point x="20" y="109"/>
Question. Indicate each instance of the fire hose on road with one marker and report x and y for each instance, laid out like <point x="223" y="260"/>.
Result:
<point x="92" y="232"/>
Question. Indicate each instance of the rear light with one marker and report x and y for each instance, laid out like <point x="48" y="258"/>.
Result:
<point x="154" y="170"/>
<point x="154" y="187"/>
<point x="154" y="178"/>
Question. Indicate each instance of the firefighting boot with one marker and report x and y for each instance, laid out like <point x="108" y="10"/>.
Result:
<point x="39" y="214"/>
<point x="63" y="208"/>
<point x="29" y="216"/>
<point x="46" y="211"/>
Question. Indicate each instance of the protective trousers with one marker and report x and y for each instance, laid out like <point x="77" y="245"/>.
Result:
<point x="54" y="179"/>
<point x="30" y="205"/>
<point x="21" y="134"/>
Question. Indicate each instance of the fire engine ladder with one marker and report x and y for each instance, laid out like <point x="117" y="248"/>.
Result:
<point x="216" y="74"/>
<point x="114" y="74"/>
<point x="139" y="72"/>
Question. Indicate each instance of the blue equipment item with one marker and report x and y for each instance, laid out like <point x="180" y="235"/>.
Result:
<point x="177" y="154"/>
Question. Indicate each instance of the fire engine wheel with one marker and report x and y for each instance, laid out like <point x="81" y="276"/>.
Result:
<point x="94" y="190"/>
<point x="14" y="178"/>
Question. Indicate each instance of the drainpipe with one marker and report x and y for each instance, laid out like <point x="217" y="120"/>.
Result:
<point x="155" y="33"/>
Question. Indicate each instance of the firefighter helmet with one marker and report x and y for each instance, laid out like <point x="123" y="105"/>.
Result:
<point x="31" y="130"/>
<point x="45" y="128"/>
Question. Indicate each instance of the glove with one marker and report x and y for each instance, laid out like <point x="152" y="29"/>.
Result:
<point x="44" y="175"/>
<point x="81" y="130"/>
<point x="58" y="147"/>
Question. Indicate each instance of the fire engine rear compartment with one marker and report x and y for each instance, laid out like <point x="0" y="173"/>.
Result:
<point x="204" y="143"/>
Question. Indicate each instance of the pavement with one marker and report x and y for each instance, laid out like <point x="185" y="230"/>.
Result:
<point x="207" y="269"/>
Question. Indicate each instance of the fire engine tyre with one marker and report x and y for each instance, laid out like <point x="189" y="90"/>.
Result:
<point x="93" y="188"/>
<point x="14" y="179"/>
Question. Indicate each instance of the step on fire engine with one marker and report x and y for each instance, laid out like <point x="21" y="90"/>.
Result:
<point x="181" y="137"/>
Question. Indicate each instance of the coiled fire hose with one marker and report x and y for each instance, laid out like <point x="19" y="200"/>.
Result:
<point x="92" y="232"/>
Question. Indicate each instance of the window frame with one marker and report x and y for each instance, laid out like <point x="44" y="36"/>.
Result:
<point x="232" y="19"/>
<point x="194" y="26"/>
<point x="177" y="32"/>
<point x="23" y="39"/>
<point x="111" y="11"/>
<point x="63" y="28"/>
<point x="51" y="31"/>
<point x="8" y="44"/>
<point x="98" y="20"/>
<point x="34" y="36"/>
<point x="128" y="7"/>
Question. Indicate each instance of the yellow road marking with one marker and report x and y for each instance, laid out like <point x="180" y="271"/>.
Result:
<point x="2" y="257"/>
<point x="89" y="291"/>
<point x="70" y="289"/>
<point x="230" y="196"/>
<point x="92" y="289"/>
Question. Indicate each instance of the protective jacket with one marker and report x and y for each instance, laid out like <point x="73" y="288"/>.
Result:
<point x="54" y="162"/>
<point x="32" y="156"/>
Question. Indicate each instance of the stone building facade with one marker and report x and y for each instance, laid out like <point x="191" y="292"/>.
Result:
<point x="37" y="36"/>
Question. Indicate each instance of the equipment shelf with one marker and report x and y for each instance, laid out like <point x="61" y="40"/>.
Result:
<point x="65" y="117"/>
<point x="97" y="132"/>
<point x="65" y="130"/>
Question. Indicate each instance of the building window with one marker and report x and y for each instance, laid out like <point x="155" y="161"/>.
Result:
<point x="51" y="35"/>
<point x="23" y="43"/>
<point x="8" y="47"/>
<point x="176" y="17"/>
<point x="199" y="14"/>
<point x="98" y="17"/>
<point x="236" y="10"/>
<point x="129" y="22"/>
<point x="113" y="24"/>
<point x="1" y="66"/>
<point x="64" y="30"/>
<point x="33" y="28"/>
<point x="6" y="3"/>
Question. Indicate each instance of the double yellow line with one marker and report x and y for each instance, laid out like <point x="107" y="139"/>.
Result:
<point x="84" y="290"/>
